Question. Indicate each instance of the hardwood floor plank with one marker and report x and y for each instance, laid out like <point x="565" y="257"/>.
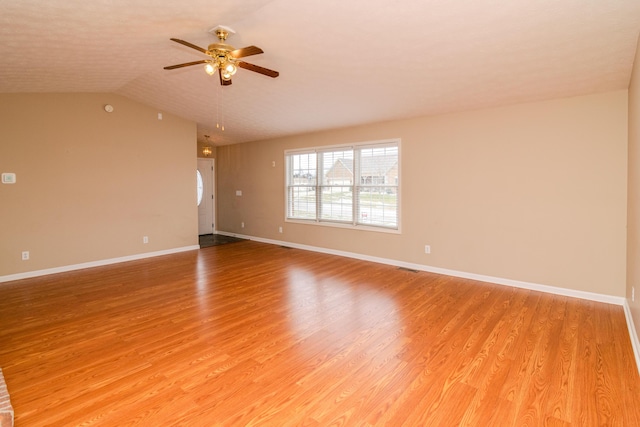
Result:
<point x="256" y="334"/>
<point x="559" y="402"/>
<point x="609" y="397"/>
<point x="540" y="369"/>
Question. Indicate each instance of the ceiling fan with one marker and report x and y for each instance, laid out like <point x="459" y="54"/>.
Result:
<point x="224" y="58"/>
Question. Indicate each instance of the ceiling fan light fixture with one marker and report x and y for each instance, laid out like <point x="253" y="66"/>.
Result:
<point x="211" y="68"/>
<point x="230" y="68"/>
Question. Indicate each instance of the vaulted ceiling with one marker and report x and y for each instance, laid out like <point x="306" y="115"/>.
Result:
<point x="341" y="62"/>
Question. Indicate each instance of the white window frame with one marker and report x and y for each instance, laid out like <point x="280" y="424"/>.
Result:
<point x="354" y="223"/>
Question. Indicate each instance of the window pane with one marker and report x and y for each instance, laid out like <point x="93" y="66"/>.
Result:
<point x="379" y="166"/>
<point x="303" y="169"/>
<point x="336" y="204"/>
<point x="336" y="200"/>
<point x="301" y="203"/>
<point x="337" y="167"/>
<point x="377" y="199"/>
<point x="378" y="206"/>
<point x="301" y="189"/>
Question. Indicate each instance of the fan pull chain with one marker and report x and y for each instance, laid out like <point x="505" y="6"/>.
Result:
<point x="219" y="99"/>
<point x="222" y="100"/>
<point x="217" y="107"/>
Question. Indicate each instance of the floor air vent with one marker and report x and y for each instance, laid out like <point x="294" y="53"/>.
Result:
<point x="410" y="270"/>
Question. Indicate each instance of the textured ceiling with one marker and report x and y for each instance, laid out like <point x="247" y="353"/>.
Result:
<point x="341" y="63"/>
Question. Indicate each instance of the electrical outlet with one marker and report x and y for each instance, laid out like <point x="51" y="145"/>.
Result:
<point x="633" y="294"/>
<point x="427" y="249"/>
<point x="145" y="239"/>
<point x="25" y="255"/>
<point x="242" y="224"/>
<point x="279" y="229"/>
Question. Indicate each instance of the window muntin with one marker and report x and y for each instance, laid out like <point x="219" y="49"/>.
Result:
<point x="357" y="185"/>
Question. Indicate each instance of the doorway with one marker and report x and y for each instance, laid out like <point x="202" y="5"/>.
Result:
<point x="206" y="201"/>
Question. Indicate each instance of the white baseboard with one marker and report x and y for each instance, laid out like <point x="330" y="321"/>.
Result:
<point x="421" y="267"/>
<point x="36" y="273"/>
<point x="635" y="343"/>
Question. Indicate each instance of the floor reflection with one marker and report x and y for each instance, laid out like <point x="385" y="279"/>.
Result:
<point x="345" y="309"/>
<point x="203" y="281"/>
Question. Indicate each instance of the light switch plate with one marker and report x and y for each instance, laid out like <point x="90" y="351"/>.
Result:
<point x="8" y="178"/>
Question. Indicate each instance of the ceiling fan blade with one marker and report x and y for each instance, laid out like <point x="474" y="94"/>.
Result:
<point x="223" y="82"/>
<point x="192" y="46"/>
<point x="186" y="64"/>
<point x="246" y="51"/>
<point x="258" y="69"/>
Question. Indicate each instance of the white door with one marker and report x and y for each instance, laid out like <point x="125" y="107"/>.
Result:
<point x="206" y="205"/>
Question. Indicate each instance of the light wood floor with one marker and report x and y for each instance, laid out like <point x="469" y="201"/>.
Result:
<point x="256" y="334"/>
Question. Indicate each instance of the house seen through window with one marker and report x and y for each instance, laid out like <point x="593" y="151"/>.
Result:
<point x="356" y="185"/>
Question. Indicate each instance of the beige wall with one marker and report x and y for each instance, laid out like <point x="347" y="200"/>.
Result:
<point x="633" y="213"/>
<point x="533" y="192"/>
<point x="91" y="184"/>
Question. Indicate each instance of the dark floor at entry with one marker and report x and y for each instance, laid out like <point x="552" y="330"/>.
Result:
<point x="207" y="240"/>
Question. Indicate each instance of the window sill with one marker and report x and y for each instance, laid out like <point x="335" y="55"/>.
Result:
<point x="360" y="227"/>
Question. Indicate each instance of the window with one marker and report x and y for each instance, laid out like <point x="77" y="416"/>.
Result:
<point x="199" y="186"/>
<point x="353" y="185"/>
